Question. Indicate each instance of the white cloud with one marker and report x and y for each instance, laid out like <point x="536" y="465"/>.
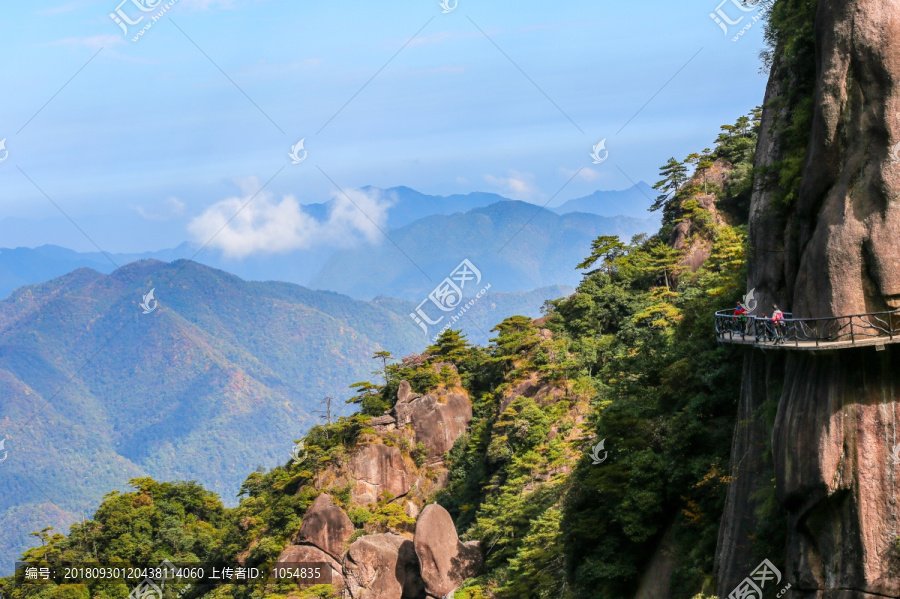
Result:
<point x="586" y="174"/>
<point x="264" y="225"/>
<point x="518" y="185"/>
<point x="173" y="208"/>
<point x="95" y="42"/>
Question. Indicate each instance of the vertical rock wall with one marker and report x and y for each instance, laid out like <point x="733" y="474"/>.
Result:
<point x="837" y="252"/>
<point x="838" y="420"/>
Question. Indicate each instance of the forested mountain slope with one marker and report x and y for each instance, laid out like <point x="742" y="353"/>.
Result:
<point x="95" y="392"/>
<point x="502" y="437"/>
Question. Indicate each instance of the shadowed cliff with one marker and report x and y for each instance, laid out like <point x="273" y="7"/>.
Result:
<point x="824" y="242"/>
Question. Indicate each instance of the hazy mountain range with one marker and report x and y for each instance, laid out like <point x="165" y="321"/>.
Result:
<point x="634" y="202"/>
<point x="516" y="246"/>
<point x="225" y="373"/>
<point x="454" y="227"/>
<point x="408" y="205"/>
<point x="221" y="377"/>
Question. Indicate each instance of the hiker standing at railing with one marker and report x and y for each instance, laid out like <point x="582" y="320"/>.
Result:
<point x="778" y="322"/>
<point x="740" y="317"/>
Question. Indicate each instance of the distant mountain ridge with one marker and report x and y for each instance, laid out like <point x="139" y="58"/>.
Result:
<point x="409" y="205"/>
<point x="634" y="202"/>
<point x="28" y="266"/>
<point x="515" y="245"/>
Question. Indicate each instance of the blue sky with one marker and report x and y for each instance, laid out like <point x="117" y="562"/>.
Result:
<point x="149" y="136"/>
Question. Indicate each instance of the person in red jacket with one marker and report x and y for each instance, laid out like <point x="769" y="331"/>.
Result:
<point x="778" y="321"/>
<point x="740" y="317"/>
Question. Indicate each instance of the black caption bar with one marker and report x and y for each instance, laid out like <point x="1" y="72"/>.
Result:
<point x="155" y="577"/>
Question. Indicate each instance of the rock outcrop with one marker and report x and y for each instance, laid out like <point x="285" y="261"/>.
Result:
<point x="751" y="473"/>
<point x="533" y="387"/>
<point x="385" y="565"/>
<point x="837" y="253"/>
<point x="382" y="566"/>
<point x="655" y="582"/>
<point x="405" y="393"/>
<point x="376" y="469"/>
<point x="384" y="424"/>
<point x="698" y="249"/>
<point x="437" y="420"/>
<point x="326" y="526"/>
<point x="437" y="423"/>
<point x="445" y="562"/>
<point x="308" y="554"/>
<point x="323" y="532"/>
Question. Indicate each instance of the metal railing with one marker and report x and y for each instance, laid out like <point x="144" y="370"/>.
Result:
<point x="731" y="327"/>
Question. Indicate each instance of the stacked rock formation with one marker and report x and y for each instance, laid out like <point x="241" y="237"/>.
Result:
<point x="323" y="533"/>
<point x="430" y="563"/>
<point x="386" y="566"/>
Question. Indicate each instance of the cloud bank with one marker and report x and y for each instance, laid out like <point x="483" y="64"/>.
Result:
<point x="519" y="186"/>
<point x="240" y="227"/>
<point x="171" y="208"/>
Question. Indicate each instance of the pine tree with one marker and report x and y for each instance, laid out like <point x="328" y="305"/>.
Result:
<point x="384" y="356"/>
<point x="451" y="345"/>
<point x="368" y="396"/>
<point x="326" y="414"/>
<point x="673" y="174"/>
<point x="665" y="259"/>
<point x="756" y="116"/>
<point x="742" y="125"/>
<point x="606" y="248"/>
<point x="705" y="163"/>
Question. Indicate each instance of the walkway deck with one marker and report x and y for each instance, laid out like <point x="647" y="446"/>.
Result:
<point x="810" y="334"/>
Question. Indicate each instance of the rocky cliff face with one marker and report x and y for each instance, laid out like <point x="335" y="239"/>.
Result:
<point x="426" y="560"/>
<point x="836" y="253"/>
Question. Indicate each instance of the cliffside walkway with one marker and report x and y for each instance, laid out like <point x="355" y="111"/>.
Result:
<point x="835" y="332"/>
